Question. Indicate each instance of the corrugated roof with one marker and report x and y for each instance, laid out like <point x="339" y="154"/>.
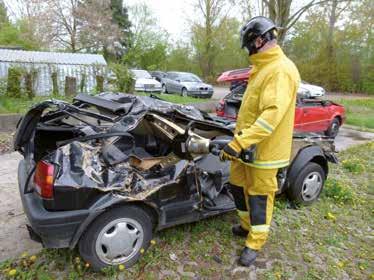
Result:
<point x="7" y="55"/>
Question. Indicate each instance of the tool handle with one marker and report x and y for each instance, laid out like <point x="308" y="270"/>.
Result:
<point x="215" y="146"/>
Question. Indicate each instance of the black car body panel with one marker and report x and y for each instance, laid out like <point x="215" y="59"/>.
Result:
<point x="114" y="148"/>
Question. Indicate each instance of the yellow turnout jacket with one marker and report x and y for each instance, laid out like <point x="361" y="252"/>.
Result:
<point x="266" y="115"/>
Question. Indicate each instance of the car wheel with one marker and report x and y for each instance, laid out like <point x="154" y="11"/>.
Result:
<point x="184" y="92"/>
<point x="118" y="236"/>
<point x="308" y="184"/>
<point x="333" y="128"/>
<point x="164" y="90"/>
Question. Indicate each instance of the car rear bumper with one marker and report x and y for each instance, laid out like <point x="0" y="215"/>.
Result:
<point x="52" y="229"/>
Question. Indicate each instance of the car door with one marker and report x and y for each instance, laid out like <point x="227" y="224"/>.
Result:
<point x="168" y="82"/>
<point x="172" y="83"/>
<point x="311" y="116"/>
<point x="299" y="126"/>
<point x="177" y="83"/>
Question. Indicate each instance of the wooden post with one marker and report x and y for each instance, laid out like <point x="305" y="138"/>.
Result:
<point x="55" y="91"/>
<point x="99" y="83"/>
<point x="70" y="86"/>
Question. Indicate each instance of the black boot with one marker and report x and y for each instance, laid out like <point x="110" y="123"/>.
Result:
<point x="239" y="231"/>
<point x="247" y="257"/>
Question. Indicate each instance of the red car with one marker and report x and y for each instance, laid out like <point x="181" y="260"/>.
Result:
<point x="237" y="75"/>
<point x="312" y="115"/>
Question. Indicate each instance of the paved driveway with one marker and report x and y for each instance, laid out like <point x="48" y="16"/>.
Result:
<point x="220" y="92"/>
<point x="14" y="238"/>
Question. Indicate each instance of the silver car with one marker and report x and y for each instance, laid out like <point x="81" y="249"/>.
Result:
<point x="144" y="81"/>
<point x="186" y="84"/>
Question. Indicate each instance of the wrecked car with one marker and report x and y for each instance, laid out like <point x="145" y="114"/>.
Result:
<point x="106" y="171"/>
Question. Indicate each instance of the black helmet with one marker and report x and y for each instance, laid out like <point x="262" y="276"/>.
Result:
<point x="256" y="27"/>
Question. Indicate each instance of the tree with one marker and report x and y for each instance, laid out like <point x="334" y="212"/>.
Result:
<point x="147" y="43"/>
<point x="76" y="25"/>
<point x="338" y="59"/>
<point x="252" y="8"/>
<point x="3" y="15"/>
<point x="229" y="53"/>
<point x="180" y="58"/>
<point x="62" y="17"/>
<point x="121" y="17"/>
<point x="204" y="33"/>
<point x="17" y="35"/>
<point x="285" y="13"/>
<point x="98" y="30"/>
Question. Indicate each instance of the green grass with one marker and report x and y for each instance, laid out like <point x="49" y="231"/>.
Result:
<point x="331" y="239"/>
<point x="21" y="105"/>
<point x="360" y="112"/>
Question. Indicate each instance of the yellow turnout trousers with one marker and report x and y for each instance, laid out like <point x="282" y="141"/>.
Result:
<point x="254" y="190"/>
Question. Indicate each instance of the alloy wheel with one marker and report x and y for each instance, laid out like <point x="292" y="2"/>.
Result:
<point x="311" y="186"/>
<point x="119" y="241"/>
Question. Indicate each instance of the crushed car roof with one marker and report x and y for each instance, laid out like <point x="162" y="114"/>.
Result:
<point x="120" y="103"/>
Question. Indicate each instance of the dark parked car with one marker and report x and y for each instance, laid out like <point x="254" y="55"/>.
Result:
<point x="106" y="171"/>
<point x="186" y="84"/>
<point x="158" y="75"/>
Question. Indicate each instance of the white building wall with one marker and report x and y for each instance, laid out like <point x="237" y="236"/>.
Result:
<point x="43" y="82"/>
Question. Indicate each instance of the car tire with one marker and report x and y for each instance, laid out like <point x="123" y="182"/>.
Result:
<point x="308" y="185"/>
<point x="130" y="224"/>
<point x="333" y="129"/>
<point x="164" y="89"/>
<point x="184" y="92"/>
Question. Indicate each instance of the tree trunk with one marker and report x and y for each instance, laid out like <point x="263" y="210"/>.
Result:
<point x="332" y="21"/>
<point x="331" y="75"/>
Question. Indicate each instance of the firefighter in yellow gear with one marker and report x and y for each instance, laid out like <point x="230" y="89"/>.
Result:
<point x="265" y="120"/>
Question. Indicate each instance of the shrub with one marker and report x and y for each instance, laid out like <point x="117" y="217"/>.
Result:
<point x="123" y="81"/>
<point x="338" y="191"/>
<point x="14" y="82"/>
<point x="353" y="165"/>
<point x="3" y="87"/>
<point x="30" y="77"/>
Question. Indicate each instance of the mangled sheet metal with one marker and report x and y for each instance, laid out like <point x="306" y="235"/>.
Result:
<point x="131" y="105"/>
<point x="120" y="143"/>
<point x="81" y="165"/>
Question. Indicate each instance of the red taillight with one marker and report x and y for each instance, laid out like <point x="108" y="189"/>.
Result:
<point x="43" y="179"/>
